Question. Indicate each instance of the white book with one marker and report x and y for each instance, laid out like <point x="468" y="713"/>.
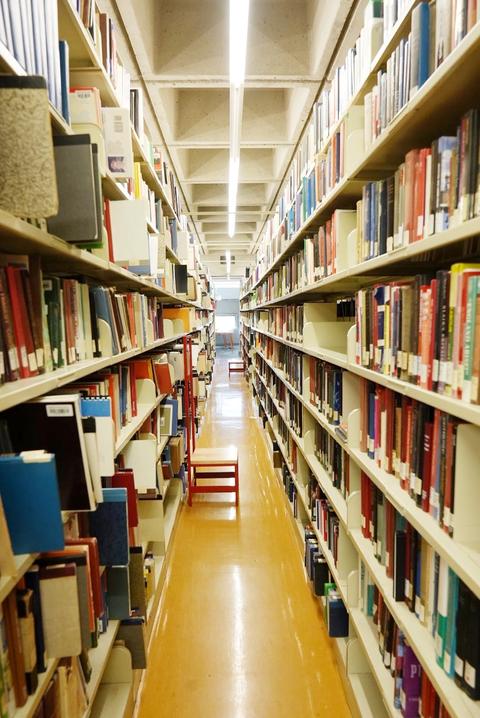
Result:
<point x="130" y="237"/>
<point x="118" y="142"/>
<point x="85" y="106"/>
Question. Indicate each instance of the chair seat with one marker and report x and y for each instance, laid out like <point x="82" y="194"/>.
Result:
<point x="215" y="456"/>
<point x="214" y="464"/>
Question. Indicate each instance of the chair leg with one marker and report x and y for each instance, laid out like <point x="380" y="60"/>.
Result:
<point x="237" y="485"/>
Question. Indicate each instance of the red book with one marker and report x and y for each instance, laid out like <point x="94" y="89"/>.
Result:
<point x="108" y="227"/>
<point x="446" y="519"/>
<point x="15" y="649"/>
<point x="390" y="439"/>
<point x="427" y="464"/>
<point x="406" y="445"/>
<point x="125" y="479"/>
<point x="69" y="319"/>
<point x="6" y="317"/>
<point x="419" y="197"/>
<point x="390" y="537"/>
<point x="435" y="447"/>
<point x="409" y="217"/>
<point x="94" y="563"/>
<point x="131" y="319"/>
<point x="18" y="322"/>
<point x="433" y="331"/>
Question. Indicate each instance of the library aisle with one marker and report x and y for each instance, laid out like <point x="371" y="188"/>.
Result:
<point x="239" y="633"/>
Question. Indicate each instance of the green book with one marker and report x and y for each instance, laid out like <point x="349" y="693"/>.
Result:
<point x="451" y="629"/>
<point x="442" y="612"/>
<point x="468" y="339"/>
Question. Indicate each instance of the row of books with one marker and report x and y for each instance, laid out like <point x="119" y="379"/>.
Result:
<point x="437" y="28"/>
<point x="414" y="694"/>
<point x="285" y="322"/>
<point x="428" y="332"/>
<point x="79" y="431"/>
<point x="334" y="459"/>
<point x="102" y="30"/>
<point x="428" y="586"/>
<point x="293" y="408"/>
<point x="434" y="188"/>
<point x="378" y="20"/>
<point x="49" y="322"/>
<point x="167" y="178"/>
<point x="326" y="389"/>
<point x="324" y="518"/>
<point x="316" y="567"/>
<point x="30" y="32"/>
<point x="415" y="443"/>
<point x="64" y="602"/>
<point x="334" y="100"/>
<point x="271" y="411"/>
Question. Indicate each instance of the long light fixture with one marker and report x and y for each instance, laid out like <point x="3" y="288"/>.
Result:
<point x="239" y="10"/>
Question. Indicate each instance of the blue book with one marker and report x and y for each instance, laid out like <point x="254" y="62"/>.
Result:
<point x="32" y="581"/>
<point x="64" y="79"/>
<point x="174" y="404"/>
<point x="337" y="397"/>
<point x="420" y="46"/>
<point x="109" y="523"/>
<point x="102" y="311"/>
<point x="31" y="501"/>
<point x="337" y="616"/>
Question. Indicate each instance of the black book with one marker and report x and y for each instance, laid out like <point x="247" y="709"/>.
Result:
<point x="321" y="575"/>
<point x="53" y="424"/>
<point x="399" y="566"/>
<point x="464" y="595"/>
<point x="471" y="674"/>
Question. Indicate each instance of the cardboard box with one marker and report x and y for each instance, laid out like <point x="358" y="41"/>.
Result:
<point x="177" y="453"/>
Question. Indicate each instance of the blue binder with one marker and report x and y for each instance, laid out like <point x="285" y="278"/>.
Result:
<point x="31" y="501"/>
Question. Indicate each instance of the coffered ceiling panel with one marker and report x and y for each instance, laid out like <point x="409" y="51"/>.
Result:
<point x="181" y="52"/>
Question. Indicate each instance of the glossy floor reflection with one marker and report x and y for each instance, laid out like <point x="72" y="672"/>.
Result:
<point x="239" y="634"/>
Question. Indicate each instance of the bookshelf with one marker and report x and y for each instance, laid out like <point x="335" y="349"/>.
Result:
<point x="281" y="279"/>
<point x="108" y="692"/>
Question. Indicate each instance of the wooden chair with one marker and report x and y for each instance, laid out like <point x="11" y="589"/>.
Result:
<point x="213" y="463"/>
<point x="236" y="365"/>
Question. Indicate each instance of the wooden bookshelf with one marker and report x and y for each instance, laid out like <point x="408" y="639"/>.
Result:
<point x="435" y="108"/>
<point x="456" y="701"/>
<point x="22" y="564"/>
<point x="59" y="257"/>
<point x="464" y="559"/>
<point x="21" y="390"/>
<point x="409" y="259"/>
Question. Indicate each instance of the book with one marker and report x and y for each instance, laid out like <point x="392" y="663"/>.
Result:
<point x="54" y="423"/>
<point x="109" y="524"/>
<point x="76" y="220"/>
<point x="29" y="185"/>
<point x="60" y="610"/>
<point x="30" y="495"/>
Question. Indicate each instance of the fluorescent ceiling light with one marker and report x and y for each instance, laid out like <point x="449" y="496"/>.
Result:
<point x="238" y="54"/>
<point x="238" y="40"/>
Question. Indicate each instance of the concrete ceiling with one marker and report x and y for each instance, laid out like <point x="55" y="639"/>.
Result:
<point x="181" y="51"/>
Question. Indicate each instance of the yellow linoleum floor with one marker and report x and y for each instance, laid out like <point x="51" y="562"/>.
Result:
<point x="239" y="634"/>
